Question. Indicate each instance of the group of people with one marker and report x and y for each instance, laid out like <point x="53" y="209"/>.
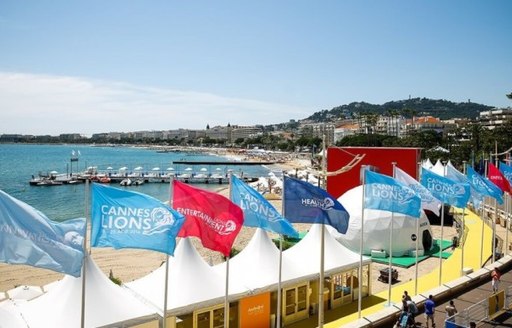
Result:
<point x="410" y="310"/>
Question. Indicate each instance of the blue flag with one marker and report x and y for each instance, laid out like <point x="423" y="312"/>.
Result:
<point x="482" y="185"/>
<point x="27" y="236"/>
<point x="446" y="190"/>
<point x="127" y="219"/>
<point x="507" y="172"/>
<point x="258" y="212"/>
<point x="385" y="193"/>
<point x="453" y="174"/>
<point x="305" y="203"/>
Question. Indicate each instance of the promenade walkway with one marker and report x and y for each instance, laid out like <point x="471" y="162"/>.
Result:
<point x="377" y="305"/>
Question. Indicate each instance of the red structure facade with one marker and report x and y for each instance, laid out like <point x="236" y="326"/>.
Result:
<point x="380" y="157"/>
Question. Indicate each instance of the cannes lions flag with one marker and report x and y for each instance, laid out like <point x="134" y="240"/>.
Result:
<point x="127" y="219"/>
<point x="483" y="186"/>
<point x="258" y="212"/>
<point x="385" y="193"/>
<point x="305" y="203"/>
<point x="428" y="201"/>
<point x="209" y="216"/>
<point x="446" y="190"/>
<point x="498" y="178"/>
<point x="27" y="236"/>
<point x="507" y="172"/>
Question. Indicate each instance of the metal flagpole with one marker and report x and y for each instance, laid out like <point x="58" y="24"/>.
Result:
<point x="279" y="291"/>
<point x="84" y="260"/>
<point x="166" y="282"/>
<point x="441" y="239"/>
<point x="417" y="242"/>
<point x="507" y="223"/>
<point x="226" y="301"/>
<point x="322" y="246"/>
<point x="360" y="271"/>
<point x="390" y="255"/>
<point x="463" y="229"/>
<point x="482" y="235"/>
<point x="494" y="230"/>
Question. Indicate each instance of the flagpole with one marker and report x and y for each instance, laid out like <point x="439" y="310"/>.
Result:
<point x="461" y="240"/>
<point x="84" y="261"/>
<point x="360" y="271"/>
<point x="322" y="247"/>
<point x="494" y="230"/>
<point x="390" y="246"/>
<point x="417" y="242"/>
<point x="482" y="235"/>
<point x="441" y="240"/>
<point x="166" y="282"/>
<point x="279" y="292"/>
<point x="507" y="224"/>
<point x="226" y="301"/>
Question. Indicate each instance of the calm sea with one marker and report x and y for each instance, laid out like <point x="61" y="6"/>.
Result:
<point x="18" y="162"/>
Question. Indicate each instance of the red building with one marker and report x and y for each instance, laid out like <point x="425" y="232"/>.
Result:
<point x="380" y="157"/>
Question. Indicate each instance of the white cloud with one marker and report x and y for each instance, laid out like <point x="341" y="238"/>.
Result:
<point x="45" y="104"/>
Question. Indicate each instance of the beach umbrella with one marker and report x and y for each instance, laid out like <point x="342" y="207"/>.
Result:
<point x="156" y="169"/>
<point x="110" y="168"/>
<point x="124" y="168"/>
<point x="170" y="169"/>
<point x="53" y="172"/>
<point x="138" y="168"/>
<point x="188" y="169"/>
<point x="204" y="169"/>
<point x="218" y="169"/>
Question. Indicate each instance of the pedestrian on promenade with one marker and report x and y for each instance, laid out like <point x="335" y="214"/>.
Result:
<point x="430" y="308"/>
<point x="450" y="311"/>
<point x="406" y="297"/>
<point x="495" y="279"/>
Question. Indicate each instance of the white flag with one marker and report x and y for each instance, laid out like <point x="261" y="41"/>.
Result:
<point x="428" y="202"/>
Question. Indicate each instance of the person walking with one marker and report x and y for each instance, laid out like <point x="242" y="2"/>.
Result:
<point x="450" y="311"/>
<point x="430" y="308"/>
<point x="406" y="297"/>
<point x="495" y="279"/>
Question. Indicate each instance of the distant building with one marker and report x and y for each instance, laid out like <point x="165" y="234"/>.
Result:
<point x="318" y="130"/>
<point x="345" y="128"/>
<point x="492" y="119"/>
<point x="243" y="132"/>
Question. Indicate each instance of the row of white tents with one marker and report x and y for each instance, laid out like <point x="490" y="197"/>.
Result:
<point x="193" y="284"/>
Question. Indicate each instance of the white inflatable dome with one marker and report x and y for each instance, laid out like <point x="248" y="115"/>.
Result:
<point x="376" y="228"/>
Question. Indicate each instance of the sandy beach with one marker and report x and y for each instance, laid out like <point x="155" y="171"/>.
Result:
<point x="131" y="264"/>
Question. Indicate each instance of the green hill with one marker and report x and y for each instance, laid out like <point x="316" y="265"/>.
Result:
<point x="443" y="109"/>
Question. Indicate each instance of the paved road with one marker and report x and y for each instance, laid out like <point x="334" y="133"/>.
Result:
<point x="469" y="298"/>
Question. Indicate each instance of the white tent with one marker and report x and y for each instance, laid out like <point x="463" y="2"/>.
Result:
<point x="25" y="292"/>
<point x="305" y="256"/>
<point x="376" y="228"/>
<point x="10" y="316"/>
<point x="427" y="164"/>
<point x="438" y="168"/>
<point x="257" y="265"/>
<point x="105" y="303"/>
<point x="193" y="284"/>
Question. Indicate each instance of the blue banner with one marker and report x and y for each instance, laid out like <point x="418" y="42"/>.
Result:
<point x="453" y="174"/>
<point x="483" y="186"/>
<point x="258" y="212"/>
<point x="385" y="193"/>
<point x="446" y="190"/>
<point x="27" y="236"/>
<point x="507" y="172"/>
<point x="127" y="219"/>
<point x="305" y="203"/>
<point x="428" y="201"/>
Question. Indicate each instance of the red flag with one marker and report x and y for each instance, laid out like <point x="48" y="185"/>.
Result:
<point x="209" y="216"/>
<point x="496" y="177"/>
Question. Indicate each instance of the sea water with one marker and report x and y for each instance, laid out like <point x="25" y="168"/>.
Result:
<point x="19" y="162"/>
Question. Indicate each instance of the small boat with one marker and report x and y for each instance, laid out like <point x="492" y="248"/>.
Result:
<point x="125" y="182"/>
<point x="49" y="182"/>
<point x="138" y="182"/>
<point x="104" y="180"/>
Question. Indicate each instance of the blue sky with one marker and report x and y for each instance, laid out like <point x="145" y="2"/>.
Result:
<point x="98" y="66"/>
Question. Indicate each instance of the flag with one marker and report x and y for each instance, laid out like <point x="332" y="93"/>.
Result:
<point x="385" y="193"/>
<point x="258" y="212"/>
<point x="27" y="236"/>
<point x="305" y="203"/>
<point x="498" y="178"/>
<point x="453" y="174"/>
<point x="428" y="201"/>
<point x="209" y="216"/>
<point x="446" y="190"/>
<point x="483" y="186"/>
<point x="128" y="219"/>
<point x="507" y="172"/>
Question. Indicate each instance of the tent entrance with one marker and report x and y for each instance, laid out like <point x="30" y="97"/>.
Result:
<point x="426" y="240"/>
